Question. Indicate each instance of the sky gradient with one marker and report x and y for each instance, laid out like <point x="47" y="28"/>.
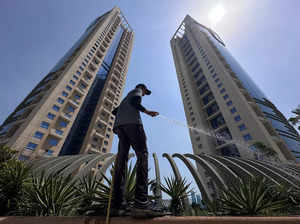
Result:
<point x="261" y="35"/>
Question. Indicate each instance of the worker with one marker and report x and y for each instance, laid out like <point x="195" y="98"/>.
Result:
<point x="129" y="128"/>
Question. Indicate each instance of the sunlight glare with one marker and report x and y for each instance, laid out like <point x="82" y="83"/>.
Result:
<point x="216" y="14"/>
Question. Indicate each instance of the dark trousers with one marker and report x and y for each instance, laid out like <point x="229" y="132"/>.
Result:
<point x="131" y="135"/>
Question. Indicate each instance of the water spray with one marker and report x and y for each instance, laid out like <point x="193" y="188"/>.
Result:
<point x="206" y="132"/>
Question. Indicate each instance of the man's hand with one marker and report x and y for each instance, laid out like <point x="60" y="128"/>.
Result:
<point x="151" y="113"/>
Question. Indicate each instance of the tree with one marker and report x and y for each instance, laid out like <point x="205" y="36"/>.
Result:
<point x="296" y="119"/>
<point x="178" y="190"/>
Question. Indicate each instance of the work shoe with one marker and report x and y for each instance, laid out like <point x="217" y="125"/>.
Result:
<point x="146" y="211"/>
<point x="117" y="212"/>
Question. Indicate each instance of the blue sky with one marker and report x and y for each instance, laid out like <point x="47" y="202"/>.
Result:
<point x="261" y="35"/>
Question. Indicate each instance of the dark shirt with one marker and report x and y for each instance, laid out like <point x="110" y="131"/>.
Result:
<point x="128" y="112"/>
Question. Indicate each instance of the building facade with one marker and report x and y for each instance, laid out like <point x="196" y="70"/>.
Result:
<point x="69" y="111"/>
<point x="220" y="97"/>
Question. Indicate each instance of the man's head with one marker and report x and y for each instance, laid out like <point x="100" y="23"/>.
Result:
<point x="144" y="88"/>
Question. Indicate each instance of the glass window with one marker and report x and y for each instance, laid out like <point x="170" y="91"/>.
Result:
<point x="31" y="146"/>
<point x="63" y="124"/>
<point x="195" y="67"/>
<point x="55" y="107"/>
<point x="78" y="72"/>
<point x="247" y="137"/>
<point x="229" y="103"/>
<point x="49" y="152"/>
<point x="242" y="127"/>
<point x="60" y="132"/>
<point x="44" y="124"/>
<point x="75" y="77"/>
<point x="51" y="116"/>
<point x="77" y="97"/>
<point x="70" y="109"/>
<point x="222" y="90"/>
<point x="217" y="121"/>
<point x="237" y="118"/>
<point x="226" y="97"/>
<point x="72" y="82"/>
<point x="233" y="110"/>
<point x="65" y="94"/>
<point x="53" y="141"/>
<point x="60" y="100"/>
<point x="82" y="85"/>
<point x="204" y="89"/>
<point x="38" y="135"/>
<point x="69" y="88"/>
<point x="23" y="158"/>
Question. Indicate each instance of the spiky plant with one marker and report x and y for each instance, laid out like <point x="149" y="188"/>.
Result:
<point x="51" y="195"/>
<point x="87" y="190"/>
<point x="178" y="190"/>
<point x="14" y="179"/>
<point x="250" y="197"/>
<point x="6" y="153"/>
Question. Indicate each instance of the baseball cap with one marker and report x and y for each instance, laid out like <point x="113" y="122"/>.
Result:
<point x="141" y="85"/>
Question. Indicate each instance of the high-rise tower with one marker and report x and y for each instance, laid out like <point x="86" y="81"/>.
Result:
<point x="219" y="96"/>
<point x="69" y="111"/>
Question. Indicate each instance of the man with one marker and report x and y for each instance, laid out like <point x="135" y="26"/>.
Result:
<point x="129" y="128"/>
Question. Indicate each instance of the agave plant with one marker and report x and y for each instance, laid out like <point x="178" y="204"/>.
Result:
<point x="51" y="195"/>
<point x="178" y="190"/>
<point x="94" y="192"/>
<point x="251" y="197"/>
<point x="14" y="179"/>
<point x="6" y="154"/>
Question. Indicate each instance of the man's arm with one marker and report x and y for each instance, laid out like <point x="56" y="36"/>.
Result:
<point x="136" y="103"/>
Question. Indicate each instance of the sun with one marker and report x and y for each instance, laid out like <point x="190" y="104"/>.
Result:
<point x="216" y="14"/>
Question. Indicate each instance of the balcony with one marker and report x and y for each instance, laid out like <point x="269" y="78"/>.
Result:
<point x="92" y="67"/>
<point x="74" y="103"/>
<point x="56" y="133"/>
<point x="107" y="105"/>
<point x="66" y="116"/>
<point x="104" y="116"/>
<point x="99" y="55"/>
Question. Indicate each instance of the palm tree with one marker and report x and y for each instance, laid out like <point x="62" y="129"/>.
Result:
<point x="178" y="190"/>
<point x="251" y="197"/>
<point x="14" y="179"/>
<point x="296" y="119"/>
